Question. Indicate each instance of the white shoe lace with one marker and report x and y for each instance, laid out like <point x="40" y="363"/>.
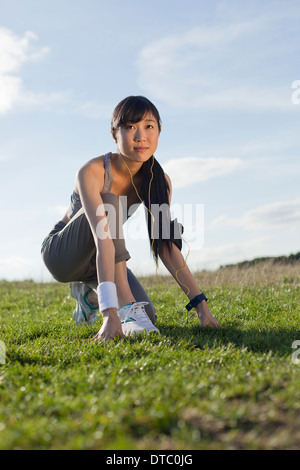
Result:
<point x="137" y="312"/>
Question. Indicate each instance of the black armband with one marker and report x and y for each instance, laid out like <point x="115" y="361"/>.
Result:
<point x="195" y="301"/>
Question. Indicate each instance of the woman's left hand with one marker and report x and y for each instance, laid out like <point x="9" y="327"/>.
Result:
<point x="205" y="316"/>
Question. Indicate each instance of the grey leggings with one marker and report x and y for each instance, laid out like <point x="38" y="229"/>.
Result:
<point x="69" y="252"/>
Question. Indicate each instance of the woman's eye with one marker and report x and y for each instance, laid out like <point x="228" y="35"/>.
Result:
<point x="132" y="126"/>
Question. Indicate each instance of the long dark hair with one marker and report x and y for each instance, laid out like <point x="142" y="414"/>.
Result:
<point x="133" y="109"/>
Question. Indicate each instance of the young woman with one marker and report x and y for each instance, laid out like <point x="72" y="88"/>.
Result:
<point x="86" y="247"/>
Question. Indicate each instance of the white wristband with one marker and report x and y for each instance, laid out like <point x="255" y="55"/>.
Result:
<point x="107" y="295"/>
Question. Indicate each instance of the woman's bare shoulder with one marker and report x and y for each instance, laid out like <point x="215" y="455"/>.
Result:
<point x="96" y="163"/>
<point x="94" y="166"/>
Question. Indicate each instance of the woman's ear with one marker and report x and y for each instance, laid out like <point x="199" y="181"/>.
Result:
<point x="113" y="134"/>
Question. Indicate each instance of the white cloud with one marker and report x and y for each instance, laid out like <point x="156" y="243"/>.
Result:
<point x="273" y="215"/>
<point x="208" y="67"/>
<point x="208" y="257"/>
<point x="191" y="170"/>
<point x="14" y="262"/>
<point x="58" y="210"/>
<point x="56" y="99"/>
<point x="277" y="214"/>
<point x="213" y="257"/>
<point x="15" y="51"/>
<point x="10" y="91"/>
<point x="243" y="97"/>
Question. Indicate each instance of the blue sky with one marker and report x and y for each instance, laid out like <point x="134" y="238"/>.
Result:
<point x="221" y="74"/>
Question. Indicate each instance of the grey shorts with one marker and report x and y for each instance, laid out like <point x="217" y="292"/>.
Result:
<point x="69" y="253"/>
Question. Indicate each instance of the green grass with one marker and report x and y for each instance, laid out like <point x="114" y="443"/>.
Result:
<point x="188" y="388"/>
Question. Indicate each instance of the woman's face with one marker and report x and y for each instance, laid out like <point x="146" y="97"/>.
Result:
<point x="138" y="141"/>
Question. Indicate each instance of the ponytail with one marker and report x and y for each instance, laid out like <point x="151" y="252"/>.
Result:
<point x="161" y="229"/>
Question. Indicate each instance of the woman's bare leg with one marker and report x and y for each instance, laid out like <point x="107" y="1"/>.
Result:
<point x="123" y="290"/>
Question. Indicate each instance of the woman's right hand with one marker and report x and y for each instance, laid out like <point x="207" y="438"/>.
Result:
<point x="111" y="327"/>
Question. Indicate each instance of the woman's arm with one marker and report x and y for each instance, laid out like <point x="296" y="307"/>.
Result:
<point x="177" y="267"/>
<point x="90" y="181"/>
<point x="175" y="263"/>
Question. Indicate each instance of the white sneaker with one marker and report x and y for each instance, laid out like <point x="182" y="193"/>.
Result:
<point x="84" y="312"/>
<point x="134" y="319"/>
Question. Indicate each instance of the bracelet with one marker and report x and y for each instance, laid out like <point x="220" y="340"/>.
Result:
<point x="107" y="295"/>
<point x="195" y="301"/>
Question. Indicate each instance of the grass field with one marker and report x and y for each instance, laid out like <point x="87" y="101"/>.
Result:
<point x="187" y="388"/>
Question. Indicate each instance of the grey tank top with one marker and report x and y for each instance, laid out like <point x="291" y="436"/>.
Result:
<point x="75" y="204"/>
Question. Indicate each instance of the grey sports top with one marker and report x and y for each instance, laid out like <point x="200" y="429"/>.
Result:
<point x="75" y="203"/>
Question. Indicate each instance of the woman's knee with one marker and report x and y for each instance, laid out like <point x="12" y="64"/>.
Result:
<point x="58" y="270"/>
<point x="59" y="274"/>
